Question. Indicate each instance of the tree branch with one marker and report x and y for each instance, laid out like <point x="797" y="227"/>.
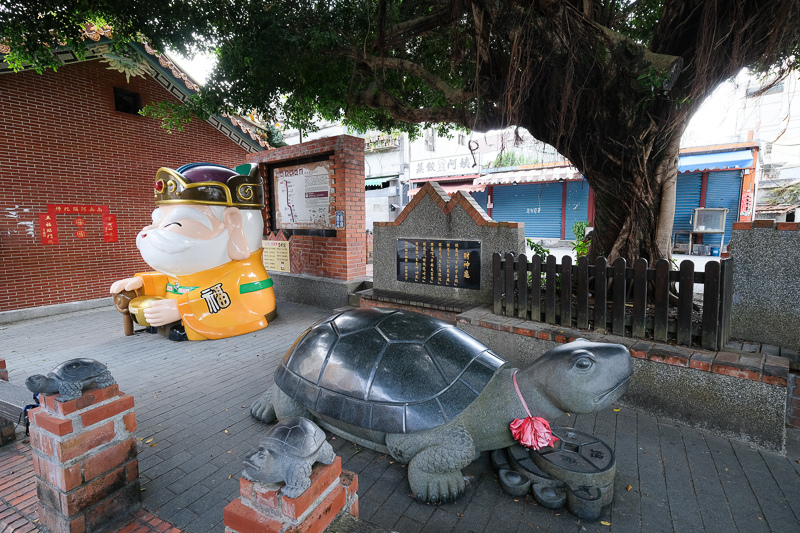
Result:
<point x="452" y="96"/>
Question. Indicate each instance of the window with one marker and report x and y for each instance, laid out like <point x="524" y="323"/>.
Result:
<point x="430" y="140"/>
<point x="127" y="101"/>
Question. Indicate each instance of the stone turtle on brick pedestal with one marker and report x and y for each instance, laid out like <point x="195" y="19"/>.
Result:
<point x="70" y="378"/>
<point x="427" y="393"/>
<point x="286" y="453"/>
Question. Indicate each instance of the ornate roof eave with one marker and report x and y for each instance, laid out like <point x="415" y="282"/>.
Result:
<point x="161" y="68"/>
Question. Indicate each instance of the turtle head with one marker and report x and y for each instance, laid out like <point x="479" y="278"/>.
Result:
<point x="578" y="377"/>
<point x="257" y="465"/>
<point x="37" y="383"/>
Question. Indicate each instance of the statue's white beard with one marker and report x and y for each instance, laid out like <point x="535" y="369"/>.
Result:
<point x="177" y="255"/>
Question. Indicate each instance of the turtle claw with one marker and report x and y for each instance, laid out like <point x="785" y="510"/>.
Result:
<point x="262" y="409"/>
<point x="439" y="488"/>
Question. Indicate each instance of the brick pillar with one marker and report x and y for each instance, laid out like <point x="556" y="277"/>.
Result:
<point x="261" y="508"/>
<point x="84" y="458"/>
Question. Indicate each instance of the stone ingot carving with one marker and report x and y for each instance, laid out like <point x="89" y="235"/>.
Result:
<point x="429" y="394"/>
<point x="287" y="453"/>
<point x="70" y="378"/>
<point x="577" y="471"/>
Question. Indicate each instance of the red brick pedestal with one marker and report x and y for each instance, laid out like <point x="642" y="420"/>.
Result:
<point x="84" y="458"/>
<point x="261" y="508"/>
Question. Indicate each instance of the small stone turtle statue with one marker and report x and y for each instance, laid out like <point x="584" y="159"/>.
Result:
<point x="286" y="453"/>
<point x="70" y="378"/>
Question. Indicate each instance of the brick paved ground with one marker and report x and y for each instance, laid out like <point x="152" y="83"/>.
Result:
<point x="192" y="400"/>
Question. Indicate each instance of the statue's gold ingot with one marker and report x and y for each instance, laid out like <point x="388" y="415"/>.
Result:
<point x="137" y="306"/>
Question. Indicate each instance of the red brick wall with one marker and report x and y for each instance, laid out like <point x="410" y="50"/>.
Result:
<point x="64" y="143"/>
<point x="342" y="257"/>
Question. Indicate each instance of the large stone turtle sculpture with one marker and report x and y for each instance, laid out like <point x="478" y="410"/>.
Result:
<point x="429" y="394"/>
<point x="70" y="378"/>
<point x="287" y="453"/>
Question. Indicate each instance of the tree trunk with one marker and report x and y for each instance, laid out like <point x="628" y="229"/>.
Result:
<point x="634" y="212"/>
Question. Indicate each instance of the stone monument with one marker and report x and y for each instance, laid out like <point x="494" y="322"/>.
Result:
<point x="441" y="247"/>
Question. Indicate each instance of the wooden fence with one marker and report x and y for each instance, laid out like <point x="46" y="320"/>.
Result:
<point x="636" y="305"/>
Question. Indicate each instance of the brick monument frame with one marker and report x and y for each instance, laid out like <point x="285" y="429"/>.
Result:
<point x="338" y="254"/>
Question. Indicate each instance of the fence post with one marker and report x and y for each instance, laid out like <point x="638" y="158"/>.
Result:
<point x="583" y="293"/>
<point x="726" y="300"/>
<point x="711" y="300"/>
<point x="661" y="315"/>
<point x="566" y="291"/>
<point x="620" y="290"/>
<point x="522" y="286"/>
<point x="600" y="295"/>
<point x="497" y="283"/>
<point x="685" y="296"/>
<point x="639" y="297"/>
<point x="509" y="277"/>
<point x="550" y="290"/>
<point x="536" y="288"/>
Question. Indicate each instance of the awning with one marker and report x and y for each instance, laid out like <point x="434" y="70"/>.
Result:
<point x="374" y="182"/>
<point x="529" y="176"/>
<point x="451" y="189"/>
<point x="716" y="161"/>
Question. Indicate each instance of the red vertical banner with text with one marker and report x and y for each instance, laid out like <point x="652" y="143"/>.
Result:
<point x="48" y="229"/>
<point x="109" y="228"/>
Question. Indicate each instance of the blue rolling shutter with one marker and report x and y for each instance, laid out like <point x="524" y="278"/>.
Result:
<point x="687" y="199"/>
<point x="538" y="205"/>
<point x="577" y="205"/>
<point x="481" y="197"/>
<point x="724" y="188"/>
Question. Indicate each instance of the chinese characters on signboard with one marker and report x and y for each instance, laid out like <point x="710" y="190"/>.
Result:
<point x="445" y="166"/>
<point x="276" y="256"/>
<point x="440" y="262"/>
<point x="303" y="196"/>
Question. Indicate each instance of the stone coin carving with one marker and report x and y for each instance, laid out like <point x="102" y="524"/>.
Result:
<point x="427" y="393"/>
<point x="578" y="471"/>
<point x="287" y="454"/>
<point x="71" y="378"/>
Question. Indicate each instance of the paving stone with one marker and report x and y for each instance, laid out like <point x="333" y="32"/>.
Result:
<point x="652" y="485"/>
<point x="680" y="491"/>
<point x="714" y="509"/>
<point x="405" y="525"/>
<point x="777" y="513"/>
<point x="672" y="479"/>
<point x="440" y="521"/>
<point x="744" y="507"/>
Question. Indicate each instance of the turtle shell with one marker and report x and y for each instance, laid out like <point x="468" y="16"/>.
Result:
<point x="296" y="437"/>
<point x="79" y="369"/>
<point x="386" y="370"/>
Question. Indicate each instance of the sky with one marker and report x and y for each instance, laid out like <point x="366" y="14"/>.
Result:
<point x="713" y="123"/>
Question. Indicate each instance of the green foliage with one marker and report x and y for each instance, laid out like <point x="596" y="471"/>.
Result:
<point x="542" y="252"/>
<point x="579" y="229"/>
<point x="513" y="158"/>
<point x="538" y="249"/>
<point x="580" y="249"/>
<point x="786" y="194"/>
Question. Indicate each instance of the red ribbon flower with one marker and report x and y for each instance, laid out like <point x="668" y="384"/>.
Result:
<point x="532" y="432"/>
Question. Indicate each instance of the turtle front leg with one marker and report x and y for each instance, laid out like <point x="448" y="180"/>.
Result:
<point x="298" y="475"/>
<point x="276" y="405"/>
<point x="434" y="472"/>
